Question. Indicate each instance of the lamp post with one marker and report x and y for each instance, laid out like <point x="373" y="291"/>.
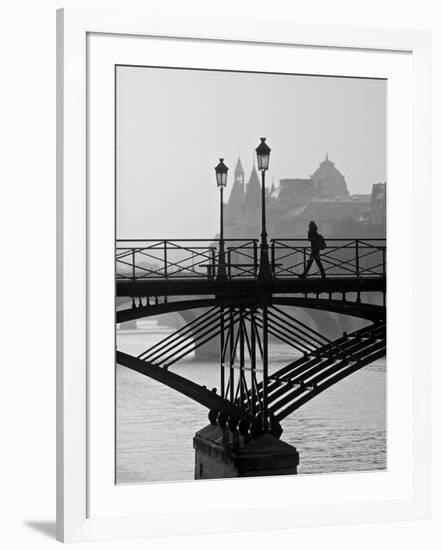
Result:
<point x="264" y="274"/>
<point x="263" y="156"/>
<point x="221" y="181"/>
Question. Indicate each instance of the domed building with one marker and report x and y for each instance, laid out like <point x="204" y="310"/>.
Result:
<point x="328" y="180"/>
<point x="324" y="197"/>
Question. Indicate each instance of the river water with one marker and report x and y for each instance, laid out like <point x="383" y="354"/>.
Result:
<point x="341" y="430"/>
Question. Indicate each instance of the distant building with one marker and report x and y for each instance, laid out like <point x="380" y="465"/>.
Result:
<point x="252" y="199"/>
<point x="328" y="180"/>
<point x="323" y="197"/>
<point x="378" y="204"/>
<point x="296" y="192"/>
<point x="236" y="199"/>
<point x="326" y="212"/>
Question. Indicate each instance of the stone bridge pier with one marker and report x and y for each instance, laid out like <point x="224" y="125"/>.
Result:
<point x="221" y="453"/>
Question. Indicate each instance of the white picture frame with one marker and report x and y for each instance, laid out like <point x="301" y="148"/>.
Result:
<point x="88" y="508"/>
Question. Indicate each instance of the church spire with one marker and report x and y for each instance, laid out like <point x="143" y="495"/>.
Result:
<point x="254" y="160"/>
<point x="252" y="199"/>
<point x="239" y="170"/>
<point x="236" y="198"/>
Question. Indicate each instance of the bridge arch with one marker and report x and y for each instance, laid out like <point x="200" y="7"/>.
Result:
<point x="316" y="310"/>
<point x="291" y="386"/>
<point x="363" y="311"/>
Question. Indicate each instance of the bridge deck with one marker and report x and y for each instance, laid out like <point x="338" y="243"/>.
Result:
<point x="192" y="287"/>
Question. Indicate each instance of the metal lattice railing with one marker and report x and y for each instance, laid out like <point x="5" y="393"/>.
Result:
<point x="200" y="258"/>
<point x="341" y="258"/>
<point x="179" y="258"/>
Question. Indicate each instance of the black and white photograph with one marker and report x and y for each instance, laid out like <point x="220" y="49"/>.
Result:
<point x="250" y="274"/>
<point x="208" y="209"/>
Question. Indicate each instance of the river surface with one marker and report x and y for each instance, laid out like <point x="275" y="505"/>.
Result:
<point x="341" y="430"/>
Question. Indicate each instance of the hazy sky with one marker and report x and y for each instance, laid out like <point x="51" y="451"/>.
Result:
<point x="173" y="125"/>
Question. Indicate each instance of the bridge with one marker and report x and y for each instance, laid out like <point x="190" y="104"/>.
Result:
<point x="245" y="292"/>
<point x="244" y="310"/>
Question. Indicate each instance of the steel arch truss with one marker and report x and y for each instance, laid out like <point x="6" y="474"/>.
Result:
<point x="317" y="370"/>
<point x="343" y="306"/>
<point x="250" y="396"/>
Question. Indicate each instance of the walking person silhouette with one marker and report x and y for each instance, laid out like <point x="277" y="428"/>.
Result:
<point x="317" y="243"/>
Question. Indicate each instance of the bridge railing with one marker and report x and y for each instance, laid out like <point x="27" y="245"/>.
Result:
<point x="200" y="258"/>
<point x="340" y="258"/>
<point x="149" y="259"/>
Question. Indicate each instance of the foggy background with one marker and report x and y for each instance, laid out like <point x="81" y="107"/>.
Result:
<point x="174" y="124"/>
